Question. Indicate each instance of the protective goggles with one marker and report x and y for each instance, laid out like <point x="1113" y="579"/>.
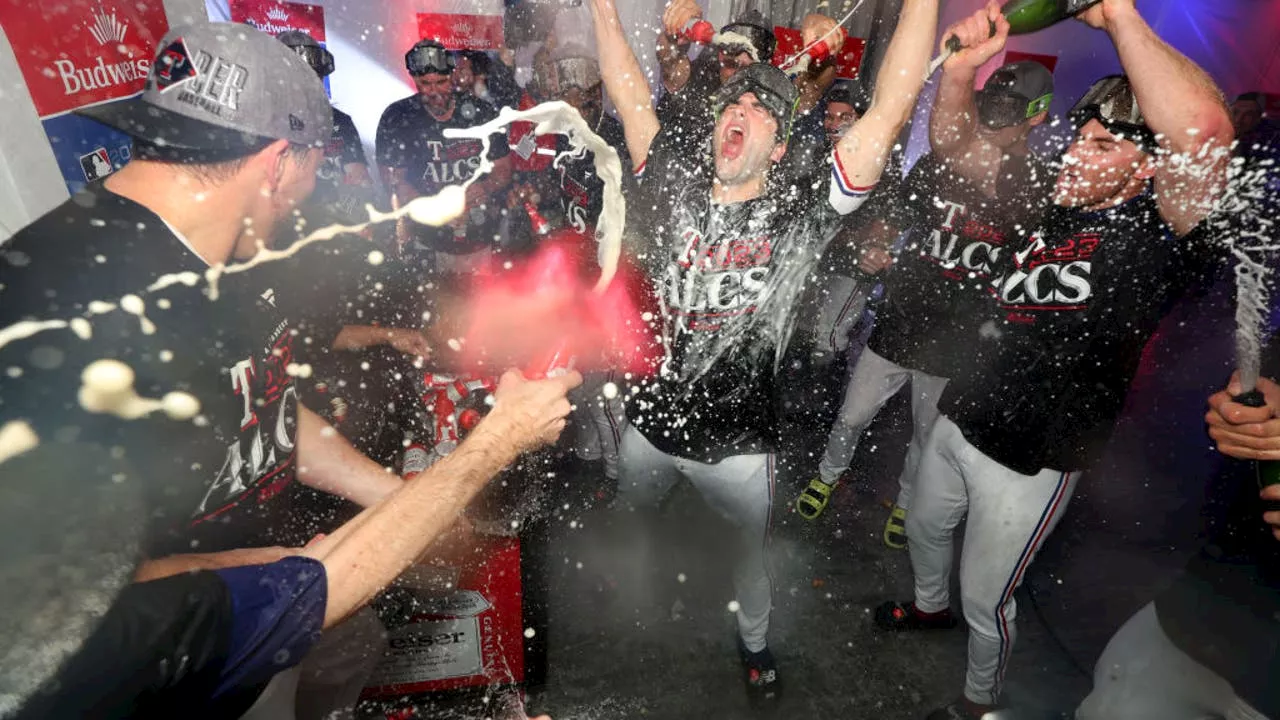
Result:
<point x="998" y="110"/>
<point x="1111" y="102"/>
<point x="320" y="59"/>
<point x="426" y="59"/>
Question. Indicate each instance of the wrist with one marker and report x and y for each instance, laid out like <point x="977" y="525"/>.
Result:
<point x="1124" y="17"/>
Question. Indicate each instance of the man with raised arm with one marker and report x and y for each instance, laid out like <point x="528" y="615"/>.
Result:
<point x="1127" y="237"/>
<point x="976" y="194"/>
<point x="728" y="254"/>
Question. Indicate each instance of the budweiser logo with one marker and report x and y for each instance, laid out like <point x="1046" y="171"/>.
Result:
<point x="278" y="14"/>
<point x="106" y="28"/>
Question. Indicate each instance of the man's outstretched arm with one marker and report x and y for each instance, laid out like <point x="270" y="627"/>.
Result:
<point x="953" y="125"/>
<point x="373" y="548"/>
<point x="1182" y="106"/>
<point x="863" y="151"/>
<point x="624" y="80"/>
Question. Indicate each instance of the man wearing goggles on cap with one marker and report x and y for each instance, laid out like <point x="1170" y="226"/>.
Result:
<point x="729" y="254"/>
<point x="416" y="159"/>
<point x="343" y="183"/>
<point x="1127" y="237"/>
<point x="978" y="190"/>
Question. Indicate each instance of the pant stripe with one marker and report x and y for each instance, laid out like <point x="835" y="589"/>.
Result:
<point x="614" y="425"/>
<point x="1020" y="568"/>
<point x="768" y="528"/>
<point x="848" y="305"/>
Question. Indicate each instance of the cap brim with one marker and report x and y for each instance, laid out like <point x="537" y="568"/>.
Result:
<point x="164" y="128"/>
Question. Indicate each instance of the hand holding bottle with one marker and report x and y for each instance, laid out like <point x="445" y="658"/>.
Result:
<point x="1101" y="15"/>
<point x="678" y="15"/>
<point x="980" y="36"/>
<point x="1242" y="431"/>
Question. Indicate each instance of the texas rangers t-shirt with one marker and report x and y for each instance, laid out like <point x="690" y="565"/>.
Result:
<point x="937" y="316"/>
<point x="1080" y="301"/>
<point x="410" y="138"/>
<point x="221" y="481"/>
<point x="727" y="280"/>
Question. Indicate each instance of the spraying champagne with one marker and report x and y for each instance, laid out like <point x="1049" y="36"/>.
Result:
<point x="1024" y="16"/>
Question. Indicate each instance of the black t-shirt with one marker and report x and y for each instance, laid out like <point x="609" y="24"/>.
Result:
<point x="1080" y="301"/>
<point x="581" y="191"/>
<point x="223" y="480"/>
<point x="937" y="296"/>
<point x="409" y="138"/>
<point x="728" y="278"/>
<point x="333" y="200"/>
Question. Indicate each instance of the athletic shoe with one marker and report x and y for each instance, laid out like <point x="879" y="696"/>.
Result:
<point x="962" y="709"/>
<point x="764" y="685"/>
<point x="904" y="616"/>
<point x="895" y="529"/>
<point x="813" y="500"/>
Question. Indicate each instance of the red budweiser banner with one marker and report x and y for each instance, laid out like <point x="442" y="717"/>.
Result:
<point x="274" y="16"/>
<point x="75" y="53"/>
<point x="462" y="32"/>
<point x="790" y="42"/>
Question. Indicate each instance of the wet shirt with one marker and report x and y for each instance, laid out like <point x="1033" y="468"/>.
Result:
<point x="409" y="138"/>
<point x="1079" y="302"/>
<point x="332" y="194"/>
<point x="727" y="280"/>
<point x="582" y="191"/>
<point x="221" y="481"/>
<point x="938" y="294"/>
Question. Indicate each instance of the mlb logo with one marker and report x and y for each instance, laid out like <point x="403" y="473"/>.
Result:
<point x="96" y="165"/>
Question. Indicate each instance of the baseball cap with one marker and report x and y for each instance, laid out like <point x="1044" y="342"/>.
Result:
<point x="223" y="88"/>
<point x="1111" y="102"/>
<point x="1014" y="94"/>
<point x="427" y="57"/>
<point x="773" y="88"/>
<point x="844" y="92"/>
<point x="754" y="30"/>
<point x="315" y="54"/>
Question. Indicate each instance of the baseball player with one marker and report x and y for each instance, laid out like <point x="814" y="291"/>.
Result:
<point x="1127" y="237"/>
<point x="976" y="193"/>
<point x="728" y="255"/>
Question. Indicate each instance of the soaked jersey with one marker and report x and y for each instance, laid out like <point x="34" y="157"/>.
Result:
<point x="1079" y="302"/>
<point x="937" y="296"/>
<point x="727" y="279"/>
<point x="222" y="481"/>
<point x="581" y="190"/>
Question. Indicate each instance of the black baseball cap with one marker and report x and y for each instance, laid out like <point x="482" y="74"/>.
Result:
<point x="223" y="88"/>
<point x="1111" y="101"/>
<point x="1014" y="94"/>
<point x="844" y="92"/>
<point x="429" y="57"/>
<point x="315" y="54"/>
<point x="758" y="35"/>
<point x="773" y="88"/>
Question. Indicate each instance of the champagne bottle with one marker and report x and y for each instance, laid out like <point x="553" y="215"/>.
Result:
<point x="1268" y="470"/>
<point x="1028" y="16"/>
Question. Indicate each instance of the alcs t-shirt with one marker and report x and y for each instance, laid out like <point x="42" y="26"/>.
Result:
<point x="727" y="279"/>
<point x="410" y="138"/>
<point x="221" y="481"/>
<point x="938" y="293"/>
<point x="1080" y="299"/>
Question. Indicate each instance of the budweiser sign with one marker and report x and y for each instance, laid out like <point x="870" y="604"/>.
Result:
<point x="82" y="52"/>
<point x="275" y="16"/>
<point x="462" y="32"/>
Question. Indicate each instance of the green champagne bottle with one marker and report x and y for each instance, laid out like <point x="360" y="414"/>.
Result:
<point x="1028" y="16"/>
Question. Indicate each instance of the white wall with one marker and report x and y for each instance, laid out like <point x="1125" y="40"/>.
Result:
<point x="30" y="183"/>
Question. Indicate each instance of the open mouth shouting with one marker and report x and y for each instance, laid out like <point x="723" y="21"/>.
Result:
<point x="733" y="140"/>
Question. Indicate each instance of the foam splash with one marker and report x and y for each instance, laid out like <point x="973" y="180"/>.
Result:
<point x="736" y="41"/>
<point x="107" y="388"/>
<point x="560" y="118"/>
<point x="16" y="438"/>
<point x="1250" y="237"/>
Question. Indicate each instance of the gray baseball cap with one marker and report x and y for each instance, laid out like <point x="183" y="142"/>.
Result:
<point x="223" y="88"/>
